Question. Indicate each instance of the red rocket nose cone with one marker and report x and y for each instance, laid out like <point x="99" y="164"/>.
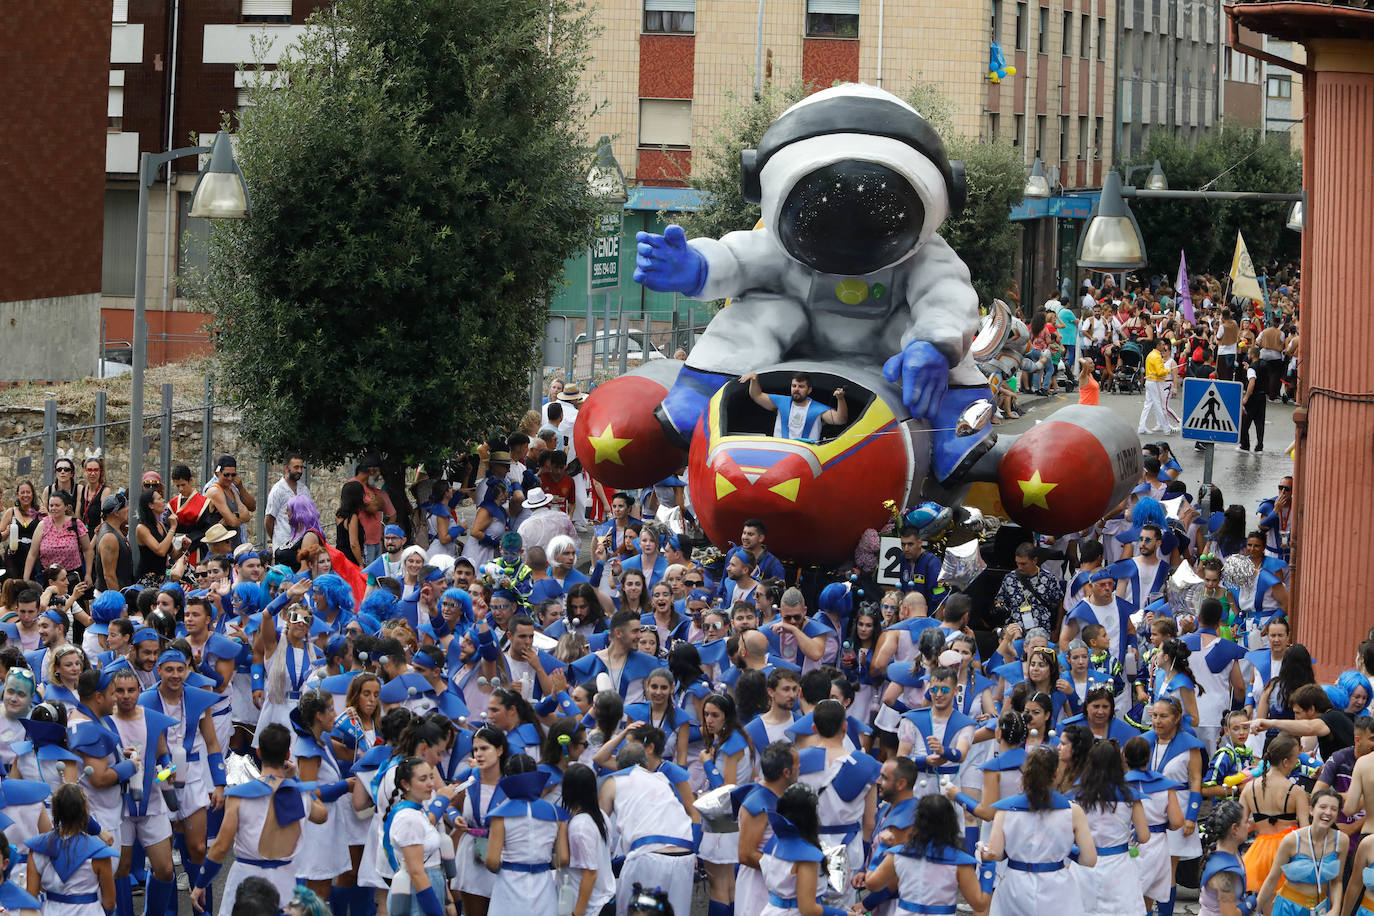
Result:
<point x="618" y="440"/>
<point x="1061" y="476"/>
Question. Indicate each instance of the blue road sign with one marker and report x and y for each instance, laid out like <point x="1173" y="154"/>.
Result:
<point x="1211" y="410"/>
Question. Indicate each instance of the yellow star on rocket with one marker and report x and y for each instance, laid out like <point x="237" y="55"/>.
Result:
<point x="1034" y="491"/>
<point x="608" y="446"/>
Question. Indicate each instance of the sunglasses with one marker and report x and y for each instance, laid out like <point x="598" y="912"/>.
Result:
<point x="1283" y="489"/>
<point x="698" y="583"/>
<point x="942" y="690"/>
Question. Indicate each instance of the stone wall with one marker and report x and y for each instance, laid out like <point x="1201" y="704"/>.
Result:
<point x="21" y="437"/>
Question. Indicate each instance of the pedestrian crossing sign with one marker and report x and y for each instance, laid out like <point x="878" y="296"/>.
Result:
<point x="1211" y="410"/>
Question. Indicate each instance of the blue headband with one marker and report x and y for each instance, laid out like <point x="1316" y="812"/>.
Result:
<point x="422" y="659"/>
<point x="55" y="616"/>
<point x="171" y="655"/>
<point x="146" y="634"/>
<point x="699" y="594"/>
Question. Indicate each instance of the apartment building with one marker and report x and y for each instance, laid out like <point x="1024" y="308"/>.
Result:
<point x="173" y="74"/>
<point x="52" y="89"/>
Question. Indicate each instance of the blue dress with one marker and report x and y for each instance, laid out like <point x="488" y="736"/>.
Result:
<point x="1367" y="902"/>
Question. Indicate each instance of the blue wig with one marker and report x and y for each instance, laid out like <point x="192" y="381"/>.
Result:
<point x="380" y="605"/>
<point x="1350" y="681"/>
<point x="1149" y="511"/>
<point x="336" y="591"/>
<point x="247" y="597"/>
<point x="1338" y="695"/>
<point x="463" y="599"/>
<point x="276" y="576"/>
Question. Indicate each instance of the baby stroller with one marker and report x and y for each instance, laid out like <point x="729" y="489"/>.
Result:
<point x="1130" y="373"/>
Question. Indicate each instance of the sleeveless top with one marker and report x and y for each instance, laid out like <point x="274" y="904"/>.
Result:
<point x="150" y="563"/>
<point x="124" y="563"/>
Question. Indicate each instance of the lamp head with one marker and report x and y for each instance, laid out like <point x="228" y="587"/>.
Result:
<point x="221" y="192"/>
<point x="1037" y="185"/>
<point x="1111" y="239"/>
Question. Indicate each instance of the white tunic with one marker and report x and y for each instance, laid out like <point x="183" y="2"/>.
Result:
<point x="252" y="823"/>
<point x="1112" y="886"/>
<point x="531" y="841"/>
<point x="925" y="882"/>
<point x="1153" y="861"/>
<point x="1037" y="836"/>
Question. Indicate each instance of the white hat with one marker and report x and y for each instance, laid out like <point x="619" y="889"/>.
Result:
<point x="536" y="498"/>
<point x="216" y="533"/>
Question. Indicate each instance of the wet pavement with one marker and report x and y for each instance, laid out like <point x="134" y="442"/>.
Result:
<point x="1244" y="477"/>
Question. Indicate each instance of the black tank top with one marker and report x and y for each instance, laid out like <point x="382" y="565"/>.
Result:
<point x="124" y="565"/>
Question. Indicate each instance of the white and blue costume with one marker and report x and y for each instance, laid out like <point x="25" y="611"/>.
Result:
<point x="65" y="872"/>
<point x="1037" y="881"/>
<point x="525" y="883"/>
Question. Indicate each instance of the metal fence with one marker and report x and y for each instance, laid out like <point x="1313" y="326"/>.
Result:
<point x="194" y="435"/>
<point x="615" y="343"/>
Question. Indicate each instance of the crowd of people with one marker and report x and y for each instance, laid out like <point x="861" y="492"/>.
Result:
<point x="502" y="710"/>
<point x="1104" y="339"/>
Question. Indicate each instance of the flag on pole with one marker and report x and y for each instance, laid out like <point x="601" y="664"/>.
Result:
<point x="1244" y="283"/>
<point x="1181" y="293"/>
<point x="1271" y="314"/>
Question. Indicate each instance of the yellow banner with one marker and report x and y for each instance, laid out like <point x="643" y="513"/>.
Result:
<point x="1244" y="282"/>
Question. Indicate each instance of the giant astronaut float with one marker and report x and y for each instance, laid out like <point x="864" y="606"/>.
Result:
<point x="847" y="279"/>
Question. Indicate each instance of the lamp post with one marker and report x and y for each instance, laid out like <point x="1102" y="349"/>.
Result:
<point x="1112" y="240"/>
<point x="220" y="193"/>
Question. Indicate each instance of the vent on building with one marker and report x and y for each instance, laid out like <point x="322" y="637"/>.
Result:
<point x="121" y="11"/>
<point x="670" y="16"/>
<point x="832" y="18"/>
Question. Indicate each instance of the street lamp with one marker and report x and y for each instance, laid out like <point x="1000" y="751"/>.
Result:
<point x="220" y="194"/>
<point x="1037" y="185"/>
<point x="1295" y="217"/>
<point x="1156" y="180"/>
<point x="1111" y="240"/>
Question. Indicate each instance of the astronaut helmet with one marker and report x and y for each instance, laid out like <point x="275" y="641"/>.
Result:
<point x="852" y="180"/>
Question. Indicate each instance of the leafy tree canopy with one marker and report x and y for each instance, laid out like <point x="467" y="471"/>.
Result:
<point x="417" y="183"/>
<point x="1228" y="159"/>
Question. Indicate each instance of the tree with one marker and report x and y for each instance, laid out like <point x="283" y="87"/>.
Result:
<point x="982" y="235"/>
<point x="417" y="182"/>
<point x="1229" y="159"/>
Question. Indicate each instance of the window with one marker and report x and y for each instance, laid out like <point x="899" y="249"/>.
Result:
<point x="1042" y="40"/>
<point x="1019" y="126"/>
<point x="832" y="18"/>
<point x="193" y="235"/>
<point x="1101" y="39"/>
<point x="1040" y="136"/>
<point x="1084" y="36"/>
<point x="121" y="231"/>
<point x="994" y="125"/>
<point x="114" y="110"/>
<point x="1063" y="138"/>
<point x="670" y="16"/>
<point x="1097" y="139"/>
<point x="265" y="11"/>
<point x="1068" y="32"/>
<point x="1280" y="87"/>
<point x="1083" y="138"/>
<point x="996" y="24"/>
<point x="665" y="122"/>
<point x="121" y="11"/>
<point x="1021" y="26"/>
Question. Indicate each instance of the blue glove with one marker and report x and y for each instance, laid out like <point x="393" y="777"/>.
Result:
<point x="666" y="264"/>
<point x="429" y="902"/>
<point x="489" y="541"/>
<point x="456" y="531"/>
<point x="125" y="770"/>
<point x="924" y="374"/>
<point x="333" y="791"/>
<point x="258" y="676"/>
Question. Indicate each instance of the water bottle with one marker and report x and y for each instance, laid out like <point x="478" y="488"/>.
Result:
<point x="14" y="532"/>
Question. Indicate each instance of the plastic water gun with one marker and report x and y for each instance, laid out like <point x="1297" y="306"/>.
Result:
<point x="998" y="68"/>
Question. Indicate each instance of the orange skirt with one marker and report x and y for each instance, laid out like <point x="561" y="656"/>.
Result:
<point x="1259" y="858"/>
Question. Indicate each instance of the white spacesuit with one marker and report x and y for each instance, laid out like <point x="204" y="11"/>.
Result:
<point x="853" y="184"/>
